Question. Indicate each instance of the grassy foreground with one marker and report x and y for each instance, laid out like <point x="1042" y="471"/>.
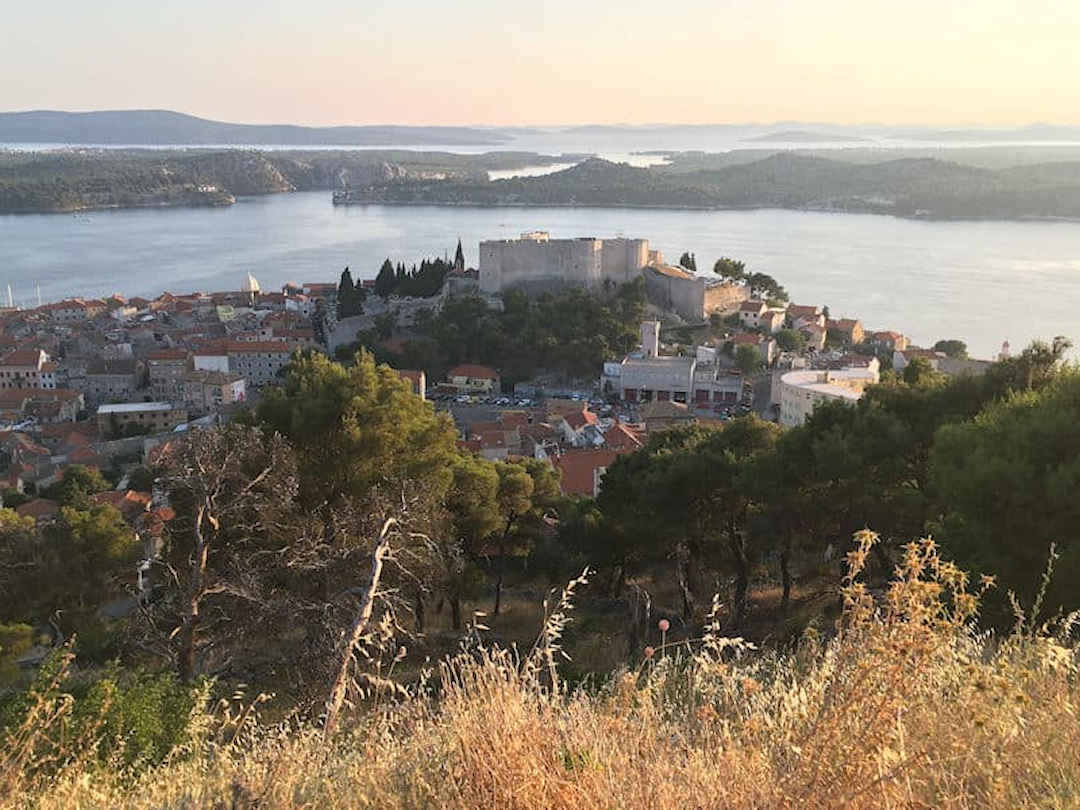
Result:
<point x="905" y="706"/>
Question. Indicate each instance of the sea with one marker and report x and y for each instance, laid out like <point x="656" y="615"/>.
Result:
<point x="985" y="282"/>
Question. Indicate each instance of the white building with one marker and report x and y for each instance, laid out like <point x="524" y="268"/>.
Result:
<point x="802" y="391"/>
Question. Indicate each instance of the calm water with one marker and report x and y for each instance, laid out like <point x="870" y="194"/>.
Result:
<point x="984" y="282"/>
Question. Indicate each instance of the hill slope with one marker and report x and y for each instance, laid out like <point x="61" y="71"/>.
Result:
<point x="162" y="127"/>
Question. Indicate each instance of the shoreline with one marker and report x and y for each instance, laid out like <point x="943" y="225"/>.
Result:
<point x="233" y="199"/>
<point x="707" y="208"/>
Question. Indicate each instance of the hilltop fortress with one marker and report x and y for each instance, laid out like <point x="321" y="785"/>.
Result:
<point x="536" y="262"/>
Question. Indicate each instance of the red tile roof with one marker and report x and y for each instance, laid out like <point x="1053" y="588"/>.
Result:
<point x="578" y="468"/>
<point x="38" y="508"/>
<point x="23" y="357"/>
<point x="579" y="419"/>
<point x="130" y="503"/>
<point x="621" y="438"/>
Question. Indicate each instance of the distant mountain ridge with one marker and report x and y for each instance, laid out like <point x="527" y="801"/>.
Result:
<point x="167" y="128"/>
<point x="805" y="136"/>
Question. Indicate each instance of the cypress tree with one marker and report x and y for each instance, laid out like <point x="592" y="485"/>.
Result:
<point x="346" y="295"/>
<point x="386" y="281"/>
<point x="459" y="257"/>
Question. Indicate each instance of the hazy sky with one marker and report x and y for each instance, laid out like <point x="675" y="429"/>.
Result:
<point x="946" y="62"/>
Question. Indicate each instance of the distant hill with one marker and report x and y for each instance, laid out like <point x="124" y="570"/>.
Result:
<point x="163" y="127"/>
<point x="910" y="187"/>
<point x="803" y="136"/>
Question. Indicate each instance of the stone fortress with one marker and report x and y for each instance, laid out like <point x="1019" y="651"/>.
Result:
<point x="536" y="262"/>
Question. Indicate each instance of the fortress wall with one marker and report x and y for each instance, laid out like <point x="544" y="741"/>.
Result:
<point x="623" y="259"/>
<point x="532" y="264"/>
<point x="684" y="296"/>
<point x="724" y="298"/>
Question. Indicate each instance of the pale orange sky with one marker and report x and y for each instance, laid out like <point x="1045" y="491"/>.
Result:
<point x="943" y="62"/>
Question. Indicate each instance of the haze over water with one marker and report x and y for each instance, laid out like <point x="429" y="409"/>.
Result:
<point x="983" y="282"/>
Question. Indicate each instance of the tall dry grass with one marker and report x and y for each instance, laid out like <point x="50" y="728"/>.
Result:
<point x="906" y="706"/>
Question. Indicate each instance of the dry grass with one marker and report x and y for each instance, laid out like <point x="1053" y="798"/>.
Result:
<point x="905" y="707"/>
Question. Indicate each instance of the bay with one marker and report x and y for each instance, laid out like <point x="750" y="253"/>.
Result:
<point x="980" y="281"/>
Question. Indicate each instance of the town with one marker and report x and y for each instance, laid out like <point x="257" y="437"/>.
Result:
<point x="105" y="383"/>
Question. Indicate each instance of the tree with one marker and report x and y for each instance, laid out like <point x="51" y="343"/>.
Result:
<point x="1036" y="366"/>
<point x="683" y="495"/>
<point x="730" y="269"/>
<point x="765" y="287"/>
<point x="77" y="485"/>
<point x="748" y="359"/>
<point x="358" y="428"/>
<point x="688" y="261"/>
<point x="920" y="371"/>
<point x="233" y="488"/>
<point x="526" y="489"/>
<point x="951" y="348"/>
<point x="386" y="280"/>
<point x="472" y="503"/>
<point x="349" y="296"/>
<point x="1007" y="482"/>
<point x="790" y="340"/>
<point x="459" y="257"/>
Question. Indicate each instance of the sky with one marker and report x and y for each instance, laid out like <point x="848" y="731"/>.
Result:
<point x="323" y="62"/>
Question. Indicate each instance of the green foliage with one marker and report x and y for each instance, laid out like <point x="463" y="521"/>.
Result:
<point x="12" y="499"/>
<point x="350" y="296"/>
<point x="688" y="261"/>
<point x="765" y="287"/>
<point x="730" y="269"/>
<point x="790" y="340"/>
<point x="357" y="428"/>
<point x="385" y="280"/>
<point x="135" y="716"/>
<point x="685" y="495"/>
<point x="15" y="639"/>
<point x="572" y="331"/>
<point x="141" y="479"/>
<point x="1009" y="478"/>
<point x="748" y="359"/>
<point x="77" y="485"/>
<point x="920" y="371"/>
<point x="952" y="348"/>
<point x="73" y="565"/>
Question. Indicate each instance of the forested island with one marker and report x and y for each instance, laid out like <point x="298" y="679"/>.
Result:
<point x="972" y="183"/>
<point x="909" y="187"/>
<point x="82" y="179"/>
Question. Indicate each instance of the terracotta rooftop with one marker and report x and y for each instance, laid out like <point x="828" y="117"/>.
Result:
<point x="578" y="468"/>
<point x="38" y="508"/>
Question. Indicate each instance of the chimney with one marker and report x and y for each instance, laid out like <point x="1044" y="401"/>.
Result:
<point x="650" y="338"/>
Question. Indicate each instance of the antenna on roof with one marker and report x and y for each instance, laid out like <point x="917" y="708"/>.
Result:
<point x="39" y="295"/>
<point x="10" y="300"/>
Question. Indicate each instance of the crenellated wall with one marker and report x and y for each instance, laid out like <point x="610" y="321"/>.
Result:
<point x="537" y="262"/>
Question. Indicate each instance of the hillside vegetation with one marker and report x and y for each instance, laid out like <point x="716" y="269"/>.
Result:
<point x="340" y="549"/>
<point x="906" y="187"/>
<point x="72" y="180"/>
<point x="905" y="706"/>
<point x="865" y="181"/>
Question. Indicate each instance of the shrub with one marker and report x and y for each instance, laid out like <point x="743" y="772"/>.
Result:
<point x="906" y="705"/>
